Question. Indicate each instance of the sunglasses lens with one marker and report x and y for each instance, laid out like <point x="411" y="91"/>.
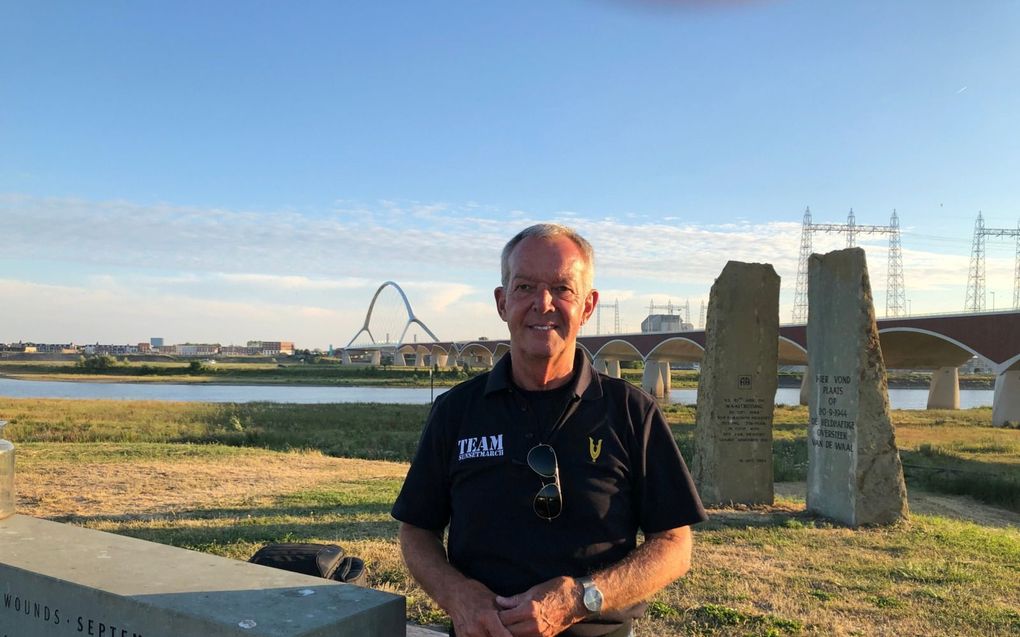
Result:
<point x="542" y="460"/>
<point x="548" y="503"/>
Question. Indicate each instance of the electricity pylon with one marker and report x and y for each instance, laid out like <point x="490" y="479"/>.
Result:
<point x="895" y="294"/>
<point x="976" y="281"/>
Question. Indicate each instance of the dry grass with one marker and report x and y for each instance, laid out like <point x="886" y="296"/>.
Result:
<point x="988" y="444"/>
<point x="129" y="468"/>
<point x="758" y="571"/>
<point x="54" y="482"/>
<point x="778" y="571"/>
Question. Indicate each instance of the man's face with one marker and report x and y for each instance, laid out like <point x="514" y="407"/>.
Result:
<point x="545" y="301"/>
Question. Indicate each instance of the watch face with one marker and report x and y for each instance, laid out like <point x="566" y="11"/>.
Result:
<point x="593" y="599"/>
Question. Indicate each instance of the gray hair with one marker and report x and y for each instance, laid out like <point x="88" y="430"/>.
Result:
<point x="550" y="231"/>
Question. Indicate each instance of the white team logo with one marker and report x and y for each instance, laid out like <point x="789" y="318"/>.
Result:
<point x="480" y="447"/>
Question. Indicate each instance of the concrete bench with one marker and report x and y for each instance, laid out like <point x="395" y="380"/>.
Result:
<point x="60" y="580"/>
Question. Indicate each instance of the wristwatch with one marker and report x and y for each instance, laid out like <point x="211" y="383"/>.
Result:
<point x="592" y="595"/>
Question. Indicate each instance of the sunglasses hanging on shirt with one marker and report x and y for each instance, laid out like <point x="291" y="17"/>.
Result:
<point x="549" y="500"/>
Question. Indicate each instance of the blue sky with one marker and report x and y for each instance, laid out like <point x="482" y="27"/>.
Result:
<point x="234" y="170"/>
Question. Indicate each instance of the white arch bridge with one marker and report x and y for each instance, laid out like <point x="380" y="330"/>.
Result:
<point x="372" y="351"/>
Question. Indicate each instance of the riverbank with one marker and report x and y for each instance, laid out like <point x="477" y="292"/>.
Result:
<point x="316" y="374"/>
<point x="327" y="373"/>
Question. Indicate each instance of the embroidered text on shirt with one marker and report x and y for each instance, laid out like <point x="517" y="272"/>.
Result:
<point x="480" y="447"/>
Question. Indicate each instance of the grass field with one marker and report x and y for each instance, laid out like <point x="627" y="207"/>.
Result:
<point x="227" y="478"/>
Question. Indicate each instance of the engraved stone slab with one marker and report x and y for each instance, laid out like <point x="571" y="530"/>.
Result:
<point x="737" y="391"/>
<point x="854" y="470"/>
<point x="58" y="580"/>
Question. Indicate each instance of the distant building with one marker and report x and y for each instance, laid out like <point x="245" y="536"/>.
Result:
<point x="197" y="349"/>
<point x="144" y="348"/>
<point x="156" y="342"/>
<point x="56" y="348"/>
<point x="240" y="350"/>
<point x="656" y="323"/>
<point x="273" y="348"/>
<point x="977" y="365"/>
<point x="112" y="350"/>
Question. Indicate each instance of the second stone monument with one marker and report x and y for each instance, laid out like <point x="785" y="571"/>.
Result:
<point x="737" y="390"/>
<point x="854" y="470"/>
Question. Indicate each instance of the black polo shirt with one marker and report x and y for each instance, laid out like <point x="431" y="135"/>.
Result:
<point x="620" y="471"/>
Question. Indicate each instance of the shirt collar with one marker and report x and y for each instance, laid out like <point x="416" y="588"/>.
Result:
<point x="587" y="384"/>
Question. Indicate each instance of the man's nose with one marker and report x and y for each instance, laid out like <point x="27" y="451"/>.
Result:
<point x="544" y="300"/>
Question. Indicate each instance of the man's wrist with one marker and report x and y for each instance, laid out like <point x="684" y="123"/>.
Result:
<point x="591" y="596"/>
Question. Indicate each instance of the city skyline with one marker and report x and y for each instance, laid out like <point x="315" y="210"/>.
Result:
<point x="234" y="172"/>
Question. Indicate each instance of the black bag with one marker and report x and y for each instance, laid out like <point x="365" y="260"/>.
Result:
<point x="319" y="560"/>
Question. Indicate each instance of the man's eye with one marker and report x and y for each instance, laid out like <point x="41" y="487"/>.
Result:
<point x="524" y="287"/>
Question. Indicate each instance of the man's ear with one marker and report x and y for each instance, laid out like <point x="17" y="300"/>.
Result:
<point x="500" y="295"/>
<point x="590" y="302"/>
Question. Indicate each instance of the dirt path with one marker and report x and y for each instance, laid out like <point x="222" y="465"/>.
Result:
<point x="927" y="503"/>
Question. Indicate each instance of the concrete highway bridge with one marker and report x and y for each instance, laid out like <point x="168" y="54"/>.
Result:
<point x="938" y="343"/>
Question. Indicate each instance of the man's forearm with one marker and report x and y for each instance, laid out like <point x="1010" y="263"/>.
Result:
<point x="552" y="606"/>
<point x="469" y="603"/>
<point x="661" y="559"/>
<point x="425" y="557"/>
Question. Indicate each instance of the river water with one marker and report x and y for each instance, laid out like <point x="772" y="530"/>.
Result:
<point x="898" y="398"/>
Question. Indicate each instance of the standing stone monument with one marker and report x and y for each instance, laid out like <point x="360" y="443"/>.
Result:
<point x="854" y="470"/>
<point x="737" y="391"/>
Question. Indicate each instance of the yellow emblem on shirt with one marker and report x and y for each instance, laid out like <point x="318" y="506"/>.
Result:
<point x="594" y="448"/>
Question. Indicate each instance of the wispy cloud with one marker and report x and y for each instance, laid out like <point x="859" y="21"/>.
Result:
<point x="41" y="312"/>
<point x="135" y="265"/>
<point x="293" y="282"/>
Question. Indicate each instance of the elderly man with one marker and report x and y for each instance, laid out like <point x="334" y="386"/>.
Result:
<point x="544" y="472"/>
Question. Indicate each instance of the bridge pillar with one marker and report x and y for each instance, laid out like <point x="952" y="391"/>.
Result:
<point x="1006" y="403"/>
<point x="345" y="357"/>
<point x="807" y="385"/>
<point x="419" y="359"/>
<point x="651" y="379"/>
<point x="667" y="378"/>
<point x="487" y="359"/>
<point x="377" y="358"/>
<point x="600" y="365"/>
<point x="944" y="392"/>
<point x="442" y="359"/>
<point x="613" y="367"/>
<point x="398" y="360"/>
